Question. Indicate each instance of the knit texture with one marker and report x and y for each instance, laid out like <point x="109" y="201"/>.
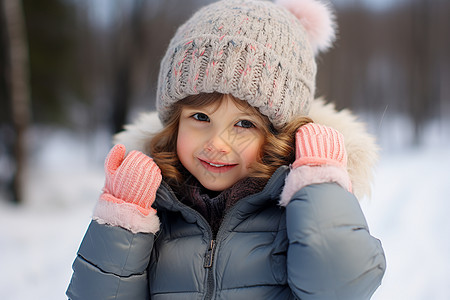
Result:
<point x="255" y="50"/>
<point x="319" y="145"/>
<point x="132" y="179"/>
<point x="320" y="157"/>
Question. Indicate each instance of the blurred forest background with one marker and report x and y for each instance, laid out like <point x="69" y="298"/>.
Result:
<point x="92" y="65"/>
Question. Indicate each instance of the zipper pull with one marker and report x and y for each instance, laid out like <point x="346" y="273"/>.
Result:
<point x="209" y="255"/>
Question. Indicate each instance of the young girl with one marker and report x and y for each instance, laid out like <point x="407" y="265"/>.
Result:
<point x="241" y="194"/>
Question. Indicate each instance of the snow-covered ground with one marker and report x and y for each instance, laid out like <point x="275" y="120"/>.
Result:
<point x="409" y="212"/>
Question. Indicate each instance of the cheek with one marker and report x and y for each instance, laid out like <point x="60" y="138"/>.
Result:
<point x="251" y="153"/>
<point x="188" y="143"/>
<point x="183" y="145"/>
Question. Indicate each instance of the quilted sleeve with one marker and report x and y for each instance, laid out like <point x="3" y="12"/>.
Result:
<point x="331" y="253"/>
<point x="111" y="264"/>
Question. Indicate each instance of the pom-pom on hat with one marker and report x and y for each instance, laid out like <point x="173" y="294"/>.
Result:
<point x="257" y="51"/>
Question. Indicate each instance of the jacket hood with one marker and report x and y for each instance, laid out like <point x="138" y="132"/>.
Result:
<point x="361" y="147"/>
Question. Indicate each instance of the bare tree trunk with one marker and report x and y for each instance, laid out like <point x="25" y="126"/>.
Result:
<point x="421" y="64"/>
<point x="121" y="81"/>
<point x="17" y="61"/>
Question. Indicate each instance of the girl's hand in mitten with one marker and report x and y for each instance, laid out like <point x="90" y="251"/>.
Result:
<point x="320" y="157"/>
<point x="132" y="179"/>
<point x="318" y="145"/>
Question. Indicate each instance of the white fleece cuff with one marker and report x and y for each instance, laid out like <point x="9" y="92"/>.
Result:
<point x="302" y="176"/>
<point x="125" y="215"/>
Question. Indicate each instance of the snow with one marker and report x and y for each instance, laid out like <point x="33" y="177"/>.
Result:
<point x="409" y="214"/>
<point x="38" y="241"/>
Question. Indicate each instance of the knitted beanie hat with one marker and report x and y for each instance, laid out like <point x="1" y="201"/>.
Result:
<point x="255" y="50"/>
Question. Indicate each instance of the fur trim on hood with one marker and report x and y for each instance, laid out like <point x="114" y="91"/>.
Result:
<point x="362" y="149"/>
<point x="361" y="146"/>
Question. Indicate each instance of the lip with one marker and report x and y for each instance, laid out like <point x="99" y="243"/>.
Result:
<point x="216" y="167"/>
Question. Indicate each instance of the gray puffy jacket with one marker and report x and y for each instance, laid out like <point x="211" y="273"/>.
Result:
<point x="317" y="247"/>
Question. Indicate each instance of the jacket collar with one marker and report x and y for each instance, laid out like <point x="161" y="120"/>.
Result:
<point x="167" y="200"/>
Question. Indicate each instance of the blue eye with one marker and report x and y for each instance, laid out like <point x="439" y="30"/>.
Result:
<point x="201" y="117"/>
<point x="245" y="124"/>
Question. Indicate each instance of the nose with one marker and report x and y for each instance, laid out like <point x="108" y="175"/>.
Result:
<point x="217" y="143"/>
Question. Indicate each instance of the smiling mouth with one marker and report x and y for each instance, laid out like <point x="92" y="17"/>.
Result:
<point x="216" y="167"/>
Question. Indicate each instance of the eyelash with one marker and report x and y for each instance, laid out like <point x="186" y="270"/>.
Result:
<point x="205" y="118"/>
<point x="196" y="116"/>
<point x="250" y="124"/>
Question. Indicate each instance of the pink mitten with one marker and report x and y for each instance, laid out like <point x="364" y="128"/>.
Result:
<point x="318" y="145"/>
<point x="130" y="190"/>
<point x="320" y="157"/>
<point x="133" y="179"/>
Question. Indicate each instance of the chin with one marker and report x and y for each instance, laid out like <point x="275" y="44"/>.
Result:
<point x="216" y="187"/>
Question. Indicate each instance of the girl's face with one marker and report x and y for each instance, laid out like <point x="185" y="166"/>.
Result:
<point x="217" y="145"/>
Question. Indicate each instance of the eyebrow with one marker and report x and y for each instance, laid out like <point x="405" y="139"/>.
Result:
<point x="198" y="109"/>
<point x="252" y="115"/>
<point x="246" y="114"/>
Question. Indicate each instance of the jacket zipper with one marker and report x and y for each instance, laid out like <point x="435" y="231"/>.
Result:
<point x="209" y="255"/>
<point x="208" y="263"/>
